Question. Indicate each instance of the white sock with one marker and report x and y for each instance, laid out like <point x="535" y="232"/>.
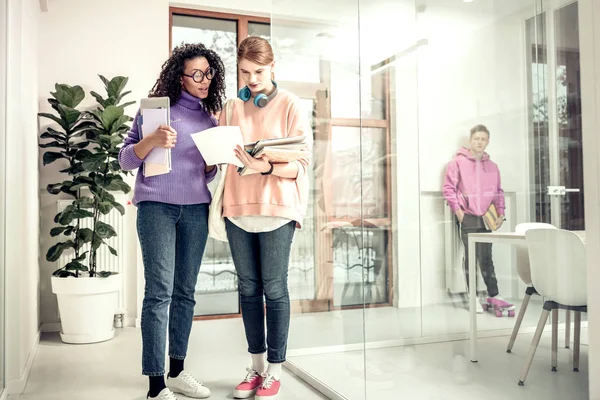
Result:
<point x="258" y="363"/>
<point x="275" y="370"/>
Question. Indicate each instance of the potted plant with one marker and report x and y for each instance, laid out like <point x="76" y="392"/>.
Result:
<point x="87" y="142"/>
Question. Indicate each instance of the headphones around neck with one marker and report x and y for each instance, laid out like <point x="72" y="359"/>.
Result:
<point x="261" y="100"/>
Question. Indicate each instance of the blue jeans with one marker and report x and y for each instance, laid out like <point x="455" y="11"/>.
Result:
<point x="173" y="238"/>
<point x="261" y="261"/>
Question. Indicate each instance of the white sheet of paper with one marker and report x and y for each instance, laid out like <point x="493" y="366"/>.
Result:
<point x="152" y="118"/>
<point x="217" y="144"/>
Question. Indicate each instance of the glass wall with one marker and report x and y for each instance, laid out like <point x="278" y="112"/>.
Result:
<point x="3" y="74"/>
<point x="394" y="89"/>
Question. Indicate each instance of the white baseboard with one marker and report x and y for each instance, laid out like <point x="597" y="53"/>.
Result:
<point x="315" y="383"/>
<point x="51" y="327"/>
<point x="17" y="386"/>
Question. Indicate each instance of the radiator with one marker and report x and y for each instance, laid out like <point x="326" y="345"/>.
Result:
<point x="105" y="260"/>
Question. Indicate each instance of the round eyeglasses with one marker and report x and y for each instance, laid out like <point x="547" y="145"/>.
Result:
<point x="198" y="76"/>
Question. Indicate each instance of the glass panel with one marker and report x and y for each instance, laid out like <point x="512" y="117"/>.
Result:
<point x="308" y="54"/>
<point x="539" y="128"/>
<point x="297" y="50"/>
<point x="217" y="34"/>
<point x="259" y="29"/>
<point x="3" y="61"/>
<point x="302" y="272"/>
<point x="568" y="88"/>
<point x="216" y="290"/>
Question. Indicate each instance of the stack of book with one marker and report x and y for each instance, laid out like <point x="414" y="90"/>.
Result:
<point x="279" y="150"/>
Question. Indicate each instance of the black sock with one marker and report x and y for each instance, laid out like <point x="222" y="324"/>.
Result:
<point x="157" y="384"/>
<point x="175" y="367"/>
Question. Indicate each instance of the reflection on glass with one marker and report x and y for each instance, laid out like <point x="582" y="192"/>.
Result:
<point x="216" y="34"/>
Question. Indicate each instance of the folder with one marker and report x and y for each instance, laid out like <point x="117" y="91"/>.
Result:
<point x="158" y="161"/>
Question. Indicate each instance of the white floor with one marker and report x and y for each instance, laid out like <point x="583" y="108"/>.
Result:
<point x="442" y="371"/>
<point x="112" y="370"/>
<point x="217" y="356"/>
<point x="309" y="331"/>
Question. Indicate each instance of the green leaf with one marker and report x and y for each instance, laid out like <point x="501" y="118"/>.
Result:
<point x="97" y="242"/>
<point x="57" y="231"/>
<point x="70" y="115"/>
<point x="113" y="251"/>
<point x="99" y="99"/>
<point x="104" y="207"/>
<point x="51" y="156"/>
<point x="104" y="230"/>
<point x="82" y="214"/>
<point x="129" y="103"/>
<point x="81" y="145"/>
<point x="53" y="144"/>
<point x="85" y="235"/>
<point x="70" y="96"/>
<point x="54" y="188"/>
<point x="105" y="274"/>
<point x="81" y="257"/>
<point x="116" y="86"/>
<point x="85" y="202"/>
<point x="119" y="124"/>
<point x="94" y="162"/>
<point x="54" y="118"/>
<point x="109" y="116"/>
<point x="54" y="134"/>
<point x="75" y="266"/>
<point x="56" y="251"/>
<point x="76" y="169"/>
<point x="119" y="207"/>
<point x="116" y="183"/>
<point x="106" y="81"/>
<point x="61" y="273"/>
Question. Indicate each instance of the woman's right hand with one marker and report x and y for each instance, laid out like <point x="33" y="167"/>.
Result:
<point x="165" y="136"/>
<point x="460" y="214"/>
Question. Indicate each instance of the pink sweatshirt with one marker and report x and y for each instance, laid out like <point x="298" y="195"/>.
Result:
<point x="473" y="185"/>
<point x="268" y="195"/>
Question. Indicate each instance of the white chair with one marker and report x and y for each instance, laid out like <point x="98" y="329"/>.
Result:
<point x="525" y="275"/>
<point x="558" y="272"/>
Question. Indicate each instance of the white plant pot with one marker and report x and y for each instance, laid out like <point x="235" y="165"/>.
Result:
<point x="87" y="307"/>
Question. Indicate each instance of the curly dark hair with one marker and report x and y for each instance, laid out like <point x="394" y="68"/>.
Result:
<point x="169" y="82"/>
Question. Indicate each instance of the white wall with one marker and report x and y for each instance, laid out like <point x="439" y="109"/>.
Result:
<point x="22" y="228"/>
<point x="78" y="41"/>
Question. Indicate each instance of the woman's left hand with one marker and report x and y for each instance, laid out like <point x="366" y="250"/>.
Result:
<point x="256" y="164"/>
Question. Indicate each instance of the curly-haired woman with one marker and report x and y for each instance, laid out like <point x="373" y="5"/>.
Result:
<point x="172" y="219"/>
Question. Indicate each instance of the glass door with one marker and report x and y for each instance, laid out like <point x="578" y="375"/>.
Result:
<point x="555" y="82"/>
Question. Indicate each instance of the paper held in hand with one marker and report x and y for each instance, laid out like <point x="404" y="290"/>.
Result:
<point x="217" y="144"/>
<point x="158" y="161"/>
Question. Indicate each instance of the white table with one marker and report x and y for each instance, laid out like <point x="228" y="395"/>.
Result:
<point x="493" y="237"/>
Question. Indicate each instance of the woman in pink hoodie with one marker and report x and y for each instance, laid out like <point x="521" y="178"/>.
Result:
<point x="471" y="185"/>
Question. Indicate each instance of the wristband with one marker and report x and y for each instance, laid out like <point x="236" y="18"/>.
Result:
<point x="270" y="171"/>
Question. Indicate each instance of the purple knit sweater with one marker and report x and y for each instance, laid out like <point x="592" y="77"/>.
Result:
<point x="187" y="181"/>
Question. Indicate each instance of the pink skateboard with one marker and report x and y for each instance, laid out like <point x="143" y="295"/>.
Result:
<point x="499" y="307"/>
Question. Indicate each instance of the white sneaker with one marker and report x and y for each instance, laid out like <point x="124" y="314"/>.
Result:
<point x="165" y="394"/>
<point x="187" y="385"/>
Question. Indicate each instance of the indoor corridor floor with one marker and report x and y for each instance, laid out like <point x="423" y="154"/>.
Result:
<point x="112" y="370"/>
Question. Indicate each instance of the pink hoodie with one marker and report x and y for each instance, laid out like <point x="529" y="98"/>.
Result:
<point x="472" y="184"/>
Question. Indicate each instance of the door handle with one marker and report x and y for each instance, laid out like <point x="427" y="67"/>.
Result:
<point x="560" y="190"/>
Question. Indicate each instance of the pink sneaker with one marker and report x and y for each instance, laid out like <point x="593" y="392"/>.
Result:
<point x="249" y="385"/>
<point x="269" y="388"/>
